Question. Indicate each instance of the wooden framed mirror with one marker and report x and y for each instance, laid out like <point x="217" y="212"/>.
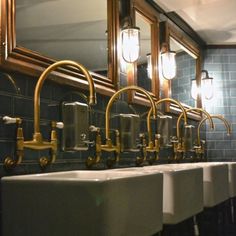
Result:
<point x="188" y="64"/>
<point x="145" y="68"/>
<point x="35" y="34"/>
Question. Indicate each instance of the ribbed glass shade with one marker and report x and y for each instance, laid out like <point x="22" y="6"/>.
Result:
<point x="130" y="43"/>
<point x="168" y="65"/>
<point x="194" y="89"/>
<point x="207" y="88"/>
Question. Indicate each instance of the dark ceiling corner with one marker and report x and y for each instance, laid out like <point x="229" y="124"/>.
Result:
<point x="180" y="23"/>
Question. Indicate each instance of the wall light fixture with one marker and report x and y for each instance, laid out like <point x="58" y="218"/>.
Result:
<point x="195" y="90"/>
<point x="130" y="43"/>
<point x="168" y="62"/>
<point x="207" y="85"/>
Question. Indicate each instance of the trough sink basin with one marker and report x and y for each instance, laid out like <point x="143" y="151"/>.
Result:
<point x="182" y="190"/>
<point x="99" y="203"/>
<point x="215" y="182"/>
<point x="231" y="177"/>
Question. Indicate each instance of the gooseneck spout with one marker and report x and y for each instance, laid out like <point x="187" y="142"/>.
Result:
<point x="92" y="95"/>
<point x="108" y="146"/>
<point x="198" y="110"/>
<point x="113" y="98"/>
<point x="225" y="122"/>
<point x="37" y="142"/>
<point x="173" y="101"/>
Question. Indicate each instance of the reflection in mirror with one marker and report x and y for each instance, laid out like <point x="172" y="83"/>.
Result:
<point x="65" y="29"/>
<point x="144" y="63"/>
<point x="186" y="71"/>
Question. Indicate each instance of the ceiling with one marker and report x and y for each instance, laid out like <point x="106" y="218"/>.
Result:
<point x="213" y="20"/>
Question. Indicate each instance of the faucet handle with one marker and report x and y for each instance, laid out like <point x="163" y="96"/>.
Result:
<point x="11" y="120"/>
<point x="59" y="125"/>
<point x="93" y="128"/>
<point x="174" y="139"/>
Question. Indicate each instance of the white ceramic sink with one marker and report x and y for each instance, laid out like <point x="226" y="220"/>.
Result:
<point x="215" y="178"/>
<point x="182" y="190"/>
<point x="99" y="203"/>
<point x="232" y="177"/>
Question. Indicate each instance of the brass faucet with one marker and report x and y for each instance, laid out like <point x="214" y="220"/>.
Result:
<point x="156" y="146"/>
<point x="37" y="143"/>
<point x="200" y="145"/>
<point x="180" y="149"/>
<point x="109" y="147"/>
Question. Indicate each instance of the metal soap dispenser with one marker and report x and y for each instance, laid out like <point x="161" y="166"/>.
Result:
<point x="128" y="126"/>
<point x="75" y="134"/>
<point x="164" y="129"/>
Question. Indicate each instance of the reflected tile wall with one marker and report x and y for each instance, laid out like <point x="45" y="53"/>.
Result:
<point x="221" y="65"/>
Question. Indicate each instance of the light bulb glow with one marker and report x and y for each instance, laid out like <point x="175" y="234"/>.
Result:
<point x="168" y="65"/>
<point x="149" y="65"/>
<point x="207" y="88"/>
<point x="130" y="44"/>
<point x="207" y="85"/>
<point x="195" y="91"/>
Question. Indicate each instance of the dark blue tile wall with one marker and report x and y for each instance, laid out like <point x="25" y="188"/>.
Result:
<point x="181" y="85"/>
<point x="221" y="65"/>
<point x="21" y="105"/>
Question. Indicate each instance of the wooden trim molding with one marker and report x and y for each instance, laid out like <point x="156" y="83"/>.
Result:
<point x="169" y="29"/>
<point x="144" y="9"/>
<point x="20" y="59"/>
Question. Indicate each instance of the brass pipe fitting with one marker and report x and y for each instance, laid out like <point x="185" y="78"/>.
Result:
<point x="37" y="143"/>
<point x="156" y="146"/>
<point x="173" y="101"/>
<point x="109" y="147"/>
<point x="10" y="162"/>
<point x="225" y="122"/>
<point x="200" y="148"/>
<point x="95" y="160"/>
<point x="199" y="110"/>
<point x="42" y="78"/>
<point x="181" y="147"/>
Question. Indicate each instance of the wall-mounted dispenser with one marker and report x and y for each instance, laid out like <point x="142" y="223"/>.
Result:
<point x="164" y="129"/>
<point x="188" y="138"/>
<point x="75" y="116"/>
<point x="128" y="126"/>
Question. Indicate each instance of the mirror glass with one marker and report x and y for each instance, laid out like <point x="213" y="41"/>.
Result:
<point x="65" y="29"/>
<point x="186" y="71"/>
<point x="144" y="68"/>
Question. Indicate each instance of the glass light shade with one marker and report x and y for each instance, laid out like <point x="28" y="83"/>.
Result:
<point x="130" y="43"/>
<point x="207" y="88"/>
<point x="168" y="65"/>
<point x="149" y="65"/>
<point x="194" y="89"/>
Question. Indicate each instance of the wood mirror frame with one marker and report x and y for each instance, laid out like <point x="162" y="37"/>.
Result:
<point x="145" y="10"/>
<point x="170" y="30"/>
<point x="16" y="58"/>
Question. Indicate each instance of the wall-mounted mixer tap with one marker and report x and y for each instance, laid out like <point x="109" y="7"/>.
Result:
<point x="37" y="142"/>
<point x="186" y="143"/>
<point x="175" y="141"/>
<point x="109" y="146"/>
<point x="200" y="147"/>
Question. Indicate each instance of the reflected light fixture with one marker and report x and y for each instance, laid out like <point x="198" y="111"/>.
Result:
<point x="194" y="89"/>
<point x="149" y="65"/>
<point x="207" y="85"/>
<point x="168" y="62"/>
<point x="130" y="43"/>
